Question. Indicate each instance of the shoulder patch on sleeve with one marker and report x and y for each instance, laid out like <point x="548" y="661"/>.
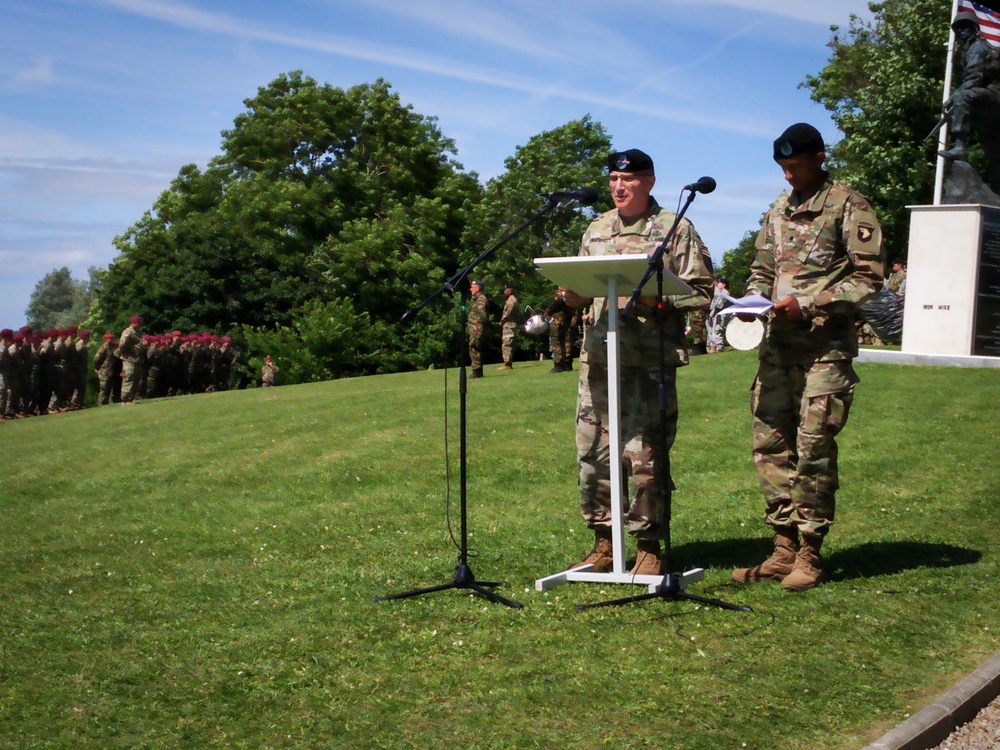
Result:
<point x="866" y="231"/>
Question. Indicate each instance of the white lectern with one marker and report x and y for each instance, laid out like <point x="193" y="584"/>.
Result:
<point x="605" y="276"/>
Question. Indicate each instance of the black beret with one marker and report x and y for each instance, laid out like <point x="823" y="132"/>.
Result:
<point x="800" y="138"/>
<point x="632" y="160"/>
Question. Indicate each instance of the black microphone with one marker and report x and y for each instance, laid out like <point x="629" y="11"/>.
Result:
<point x="703" y="185"/>
<point x="587" y="196"/>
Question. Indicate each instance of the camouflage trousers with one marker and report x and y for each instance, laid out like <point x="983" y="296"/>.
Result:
<point x="797" y="414"/>
<point x="645" y="467"/>
<point x="107" y="387"/>
<point x="507" y="335"/>
<point x="475" y="351"/>
<point x="131" y="375"/>
<point x="560" y="339"/>
<point x="7" y="405"/>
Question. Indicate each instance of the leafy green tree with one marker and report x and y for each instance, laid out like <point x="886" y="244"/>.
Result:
<point x="58" y="300"/>
<point x="735" y="266"/>
<point x="567" y="157"/>
<point x="883" y="83"/>
<point x="320" y="195"/>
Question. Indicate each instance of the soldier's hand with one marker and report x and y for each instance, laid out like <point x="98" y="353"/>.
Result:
<point x="746" y="317"/>
<point x="789" y="309"/>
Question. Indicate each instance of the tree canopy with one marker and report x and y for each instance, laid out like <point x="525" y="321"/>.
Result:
<point x="327" y="214"/>
<point x="883" y="83"/>
<point x="58" y="300"/>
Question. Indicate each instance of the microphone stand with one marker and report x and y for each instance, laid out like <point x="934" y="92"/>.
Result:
<point x="670" y="586"/>
<point x="464" y="578"/>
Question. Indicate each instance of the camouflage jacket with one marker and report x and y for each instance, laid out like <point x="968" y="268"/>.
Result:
<point x="104" y="360"/>
<point x="827" y="253"/>
<point x="511" y="315"/>
<point x="686" y="257"/>
<point x="129" y="344"/>
<point x="478" y="314"/>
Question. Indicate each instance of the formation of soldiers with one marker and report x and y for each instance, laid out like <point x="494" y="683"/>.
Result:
<point x="42" y="372"/>
<point x="49" y="371"/>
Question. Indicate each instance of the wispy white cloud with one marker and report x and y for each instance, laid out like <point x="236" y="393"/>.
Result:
<point x="42" y="73"/>
<point x="819" y="12"/>
<point x="419" y="61"/>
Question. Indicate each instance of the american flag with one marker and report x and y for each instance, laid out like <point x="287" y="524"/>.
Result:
<point x="989" y="20"/>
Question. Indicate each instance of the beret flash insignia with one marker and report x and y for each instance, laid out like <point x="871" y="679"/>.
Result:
<point x="622" y="162"/>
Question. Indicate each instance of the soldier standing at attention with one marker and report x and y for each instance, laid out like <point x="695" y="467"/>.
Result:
<point x="819" y="255"/>
<point x="561" y="317"/>
<point x="80" y="359"/>
<point x="637" y="225"/>
<point x="104" y="366"/>
<point x="510" y="319"/>
<point x="478" y="315"/>
<point x="128" y="351"/>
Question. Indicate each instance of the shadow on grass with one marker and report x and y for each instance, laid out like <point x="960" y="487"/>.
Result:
<point x="867" y="560"/>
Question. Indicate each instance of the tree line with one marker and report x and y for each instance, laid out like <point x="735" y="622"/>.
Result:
<point x="329" y="212"/>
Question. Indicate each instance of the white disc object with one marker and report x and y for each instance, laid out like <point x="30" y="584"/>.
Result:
<point x="744" y="336"/>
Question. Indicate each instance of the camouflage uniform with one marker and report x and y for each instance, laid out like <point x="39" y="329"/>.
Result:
<point x="81" y="360"/>
<point x="827" y="253"/>
<point x="478" y="316"/>
<point x="638" y="353"/>
<point x="6" y="374"/>
<point x="129" y="351"/>
<point x="561" y="320"/>
<point x="895" y="281"/>
<point x="698" y="327"/>
<point x="268" y="375"/>
<point x="104" y="365"/>
<point x="510" y="319"/>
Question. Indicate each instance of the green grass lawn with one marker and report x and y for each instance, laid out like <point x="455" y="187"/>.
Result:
<point x="199" y="572"/>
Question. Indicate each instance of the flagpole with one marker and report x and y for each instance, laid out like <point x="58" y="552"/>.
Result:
<point x="943" y="133"/>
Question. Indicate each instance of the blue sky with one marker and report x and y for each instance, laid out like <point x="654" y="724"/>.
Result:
<point x="102" y="101"/>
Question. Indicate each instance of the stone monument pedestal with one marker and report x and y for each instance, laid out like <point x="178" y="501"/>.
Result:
<point x="953" y="281"/>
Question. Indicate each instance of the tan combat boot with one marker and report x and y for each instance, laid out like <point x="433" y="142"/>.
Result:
<point x="807" y="572"/>
<point x="601" y="557"/>
<point x="779" y="564"/>
<point x="647" y="559"/>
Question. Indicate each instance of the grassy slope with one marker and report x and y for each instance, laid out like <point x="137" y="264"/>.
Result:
<point x="199" y="571"/>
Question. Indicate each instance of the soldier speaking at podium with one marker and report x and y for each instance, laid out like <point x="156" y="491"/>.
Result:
<point x="637" y="225"/>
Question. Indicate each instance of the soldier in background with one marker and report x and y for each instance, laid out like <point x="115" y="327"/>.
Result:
<point x="104" y="366"/>
<point x="20" y="350"/>
<point x="697" y="330"/>
<point x="158" y="367"/>
<point x="60" y="368"/>
<point x="80" y="366"/>
<point x="510" y="321"/>
<point x="897" y="278"/>
<point x="6" y="374"/>
<point x="268" y="373"/>
<point x="819" y="255"/>
<point x="46" y="370"/>
<point x="478" y="317"/>
<point x="129" y="345"/>
<point x="562" y="320"/>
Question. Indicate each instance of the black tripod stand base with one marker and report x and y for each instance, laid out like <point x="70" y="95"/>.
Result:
<point x="670" y="589"/>
<point x="463" y="580"/>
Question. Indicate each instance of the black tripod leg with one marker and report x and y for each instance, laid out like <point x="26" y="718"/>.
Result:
<point x="415" y="592"/>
